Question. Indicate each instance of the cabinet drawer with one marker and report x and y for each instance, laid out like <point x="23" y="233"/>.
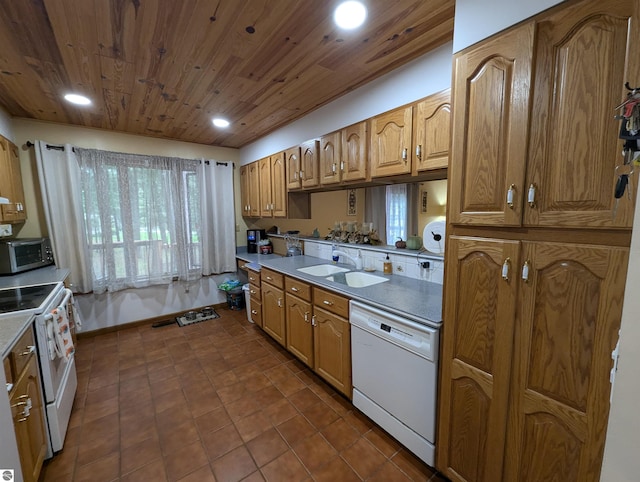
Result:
<point x="299" y="288"/>
<point x="22" y="352"/>
<point x="273" y="278"/>
<point x="254" y="277"/>
<point x="256" y="311"/>
<point x="331" y="302"/>
<point x="254" y="291"/>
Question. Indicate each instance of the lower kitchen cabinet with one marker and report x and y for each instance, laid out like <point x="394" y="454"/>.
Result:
<point x="27" y="410"/>
<point x="273" y="313"/>
<point x="298" y="316"/>
<point x="332" y="349"/>
<point x="526" y="354"/>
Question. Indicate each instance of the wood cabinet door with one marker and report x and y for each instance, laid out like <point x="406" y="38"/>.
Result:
<point x="264" y="166"/>
<point x="568" y="321"/>
<point x="489" y="129"/>
<point x="299" y="329"/>
<point x="585" y="53"/>
<point x="332" y="349"/>
<point x="13" y="190"/>
<point x="292" y="161"/>
<point x="432" y="128"/>
<point x="273" y="313"/>
<point x="254" y="189"/>
<point x="244" y="189"/>
<point x="477" y="338"/>
<point x="278" y="186"/>
<point x="329" y="158"/>
<point x="391" y="142"/>
<point x="29" y="422"/>
<point x="354" y="163"/>
<point x="309" y="174"/>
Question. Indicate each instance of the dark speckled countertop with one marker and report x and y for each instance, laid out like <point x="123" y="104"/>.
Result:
<point x="420" y="301"/>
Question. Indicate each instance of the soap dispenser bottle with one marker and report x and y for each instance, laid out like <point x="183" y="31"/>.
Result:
<point x="386" y="266"/>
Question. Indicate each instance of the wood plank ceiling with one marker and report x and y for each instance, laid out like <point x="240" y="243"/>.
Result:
<point x="163" y="68"/>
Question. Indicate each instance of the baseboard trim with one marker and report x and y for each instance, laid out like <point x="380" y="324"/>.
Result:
<point x="146" y="321"/>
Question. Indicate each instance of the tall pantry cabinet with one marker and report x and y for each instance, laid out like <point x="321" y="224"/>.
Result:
<point x="536" y="260"/>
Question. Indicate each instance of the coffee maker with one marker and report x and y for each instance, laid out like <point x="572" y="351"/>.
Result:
<point x="253" y="238"/>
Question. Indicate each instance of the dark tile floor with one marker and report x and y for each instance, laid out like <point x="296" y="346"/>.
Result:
<point x="215" y="401"/>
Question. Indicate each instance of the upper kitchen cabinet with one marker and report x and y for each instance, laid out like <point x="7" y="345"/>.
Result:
<point x="292" y="163"/>
<point x="355" y="152"/>
<point x="343" y="155"/>
<point x="273" y="191"/>
<point x="391" y="142"/>
<point x="584" y="55"/>
<point x="329" y="158"/>
<point x="489" y="130"/>
<point x="431" y="128"/>
<point x="250" y="189"/>
<point x="11" y="184"/>
<point x="309" y="166"/>
<point x="540" y="147"/>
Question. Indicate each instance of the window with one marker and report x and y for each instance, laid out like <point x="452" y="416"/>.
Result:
<point x="396" y="197"/>
<point x="142" y="218"/>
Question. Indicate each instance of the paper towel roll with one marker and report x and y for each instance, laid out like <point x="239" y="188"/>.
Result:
<point x="433" y="236"/>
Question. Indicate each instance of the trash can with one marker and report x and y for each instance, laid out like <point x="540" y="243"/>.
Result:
<point x="247" y="300"/>
<point x="235" y="299"/>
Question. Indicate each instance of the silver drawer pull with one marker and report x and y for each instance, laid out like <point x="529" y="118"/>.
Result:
<point x="254" y="312"/>
<point x="9" y="387"/>
<point x="29" y="350"/>
<point x="328" y="303"/>
<point x="293" y="288"/>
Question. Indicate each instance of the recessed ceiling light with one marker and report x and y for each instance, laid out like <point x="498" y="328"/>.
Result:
<point x="349" y="15"/>
<point x="77" y="99"/>
<point x="218" y="122"/>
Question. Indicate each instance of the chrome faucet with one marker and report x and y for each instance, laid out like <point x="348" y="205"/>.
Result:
<point x="357" y="261"/>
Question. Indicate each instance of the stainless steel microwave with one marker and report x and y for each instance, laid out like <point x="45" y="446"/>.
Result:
<point x="18" y="255"/>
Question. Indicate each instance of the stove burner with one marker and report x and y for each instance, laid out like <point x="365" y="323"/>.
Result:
<point x="24" y="298"/>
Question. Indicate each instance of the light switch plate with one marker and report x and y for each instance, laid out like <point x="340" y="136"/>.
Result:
<point x="5" y="230"/>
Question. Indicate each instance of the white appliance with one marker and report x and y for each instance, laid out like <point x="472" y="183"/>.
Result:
<point x="395" y="376"/>
<point x="59" y="379"/>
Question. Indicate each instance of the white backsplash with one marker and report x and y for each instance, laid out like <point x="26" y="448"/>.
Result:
<point x="403" y="264"/>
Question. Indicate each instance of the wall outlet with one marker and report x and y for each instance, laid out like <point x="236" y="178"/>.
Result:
<point x="5" y="230"/>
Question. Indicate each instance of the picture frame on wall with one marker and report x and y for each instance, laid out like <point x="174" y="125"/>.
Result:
<point x="351" y="203"/>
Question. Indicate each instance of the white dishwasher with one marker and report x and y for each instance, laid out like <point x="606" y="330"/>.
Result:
<point x="395" y="375"/>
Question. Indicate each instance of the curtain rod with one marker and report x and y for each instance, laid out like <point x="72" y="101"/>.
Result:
<point x="50" y="146"/>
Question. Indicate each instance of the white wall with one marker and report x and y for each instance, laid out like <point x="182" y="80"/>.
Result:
<point x="112" y="309"/>
<point x="6" y="126"/>
<point x="478" y="19"/>
<point x="621" y="460"/>
<point x="424" y="76"/>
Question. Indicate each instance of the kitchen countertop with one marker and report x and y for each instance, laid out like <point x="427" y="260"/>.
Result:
<point x="420" y="301"/>
<point x="13" y="325"/>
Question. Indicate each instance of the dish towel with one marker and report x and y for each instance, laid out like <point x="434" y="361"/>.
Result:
<point x="77" y="321"/>
<point x="63" y="344"/>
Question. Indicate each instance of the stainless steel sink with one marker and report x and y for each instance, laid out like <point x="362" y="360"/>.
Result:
<point x="357" y="279"/>
<point x="322" y="270"/>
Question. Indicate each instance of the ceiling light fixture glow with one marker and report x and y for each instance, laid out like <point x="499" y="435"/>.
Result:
<point x="349" y="15"/>
<point x="77" y="99"/>
<point x="218" y="122"/>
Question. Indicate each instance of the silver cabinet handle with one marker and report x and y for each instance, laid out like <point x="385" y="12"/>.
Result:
<point x="510" y="193"/>
<point x="254" y="312"/>
<point x="313" y="321"/>
<point x="9" y="387"/>
<point x="404" y="154"/>
<point x="419" y="151"/>
<point x="280" y="302"/>
<point x="333" y="168"/>
<point x="506" y="266"/>
<point x="525" y="271"/>
<point x="306" y="316"/>
<point x="531" y="195"/>
<point x="29" y="350"/>
<point x="294" y="289"/>
<point x="327" y="302"/>
<point x="269" y="278"/>
<point x="342" y="166"/>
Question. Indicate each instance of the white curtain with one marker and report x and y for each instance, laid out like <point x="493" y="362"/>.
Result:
<point x="396" y="212"/>
<point x="61" y="198"/>
<point x="218" y="218"/>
